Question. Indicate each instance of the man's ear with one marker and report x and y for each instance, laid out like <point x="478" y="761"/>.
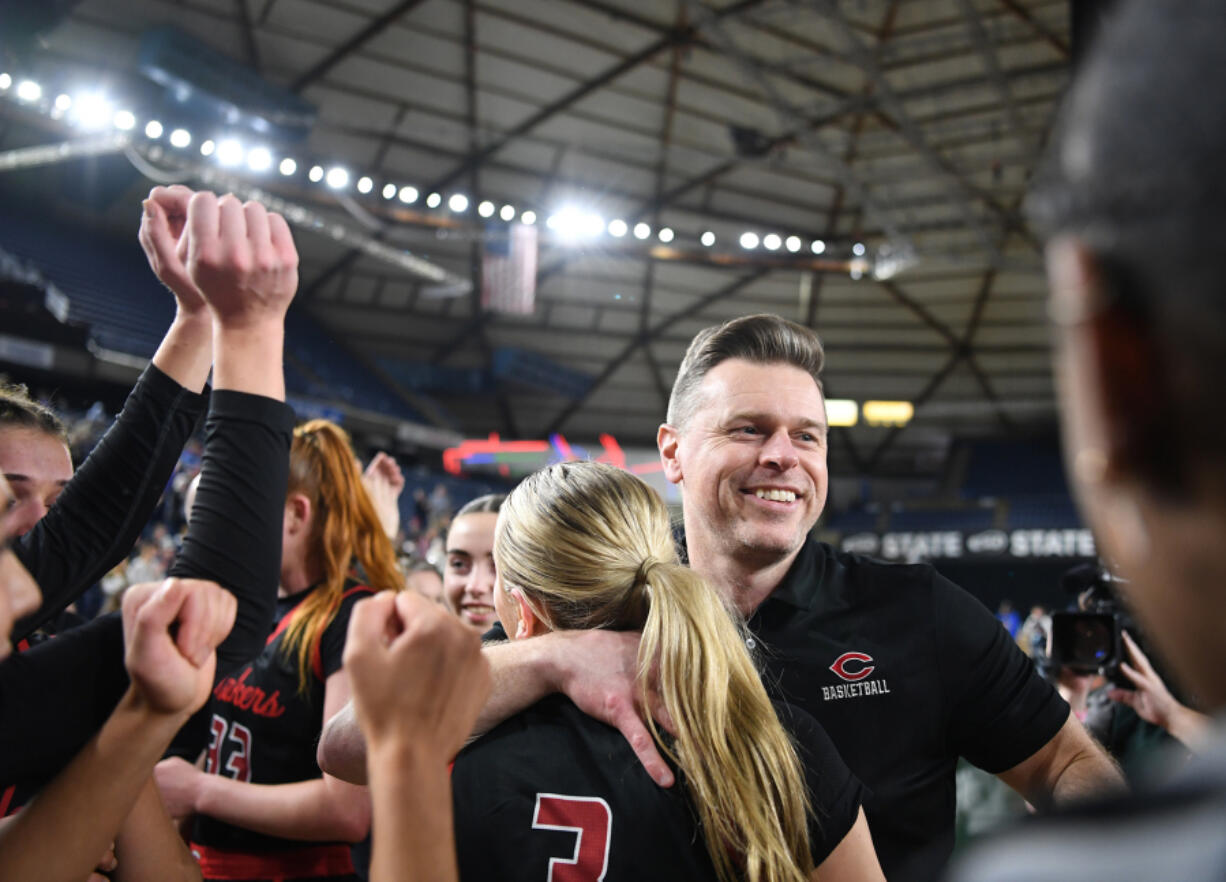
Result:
<point x="1114" y="362"/>
<point x="529" y="624"/>
<point x="668" y="440"/>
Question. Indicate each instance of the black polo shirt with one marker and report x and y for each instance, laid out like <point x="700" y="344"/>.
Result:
<point x="906" y="672"/>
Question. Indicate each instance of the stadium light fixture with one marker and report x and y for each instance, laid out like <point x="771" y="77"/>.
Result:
<point x="887" y="413"/>
<point x="337" y="178"/>
<point x="858" y="249"/>
<point x="29" y="91"/>
<point x="316" y="174"/>
<point x="641" y="230"/>
<point x="792" y="243"/>
<point x="707" y="238"/>
<point x="486" y="208"/>
<point x="666" y="235"/>
<point x="259" y="159"/>
<point x="207" y="147"/>
<point x="749" y="241"/>
<point x="434" y="200"/>
<point x="365" y="184"/>
<point x="153" y="129"/>
<point x="507" y="213"/>
<point x="618" y="228"/>
<point x="458" y="203"/>
<point x="124" y="120"/>
<point x="528" y="218"/>
<point x="180" y="138"/>
<point x="818" y="246"/>
<point x="63" y="102"/>
<point x="229" y="152"/>
<point x="408" y="195"/>
<point x="771" y="242"/>
<point x="389" y="191"/>
<point x="6" y="80"/>
<point x="287" y="166"/>
<point x="842" y="412"/>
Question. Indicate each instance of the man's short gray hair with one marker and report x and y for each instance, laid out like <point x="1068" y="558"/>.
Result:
<point x="761" y="339"/>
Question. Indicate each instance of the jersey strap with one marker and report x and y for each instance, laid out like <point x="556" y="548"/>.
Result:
<point x="306" y="862"/>
<point x="317" y="661"/>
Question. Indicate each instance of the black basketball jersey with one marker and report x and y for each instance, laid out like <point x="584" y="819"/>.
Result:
<point x="264" y="731"/>
<point x="553" y="795"/>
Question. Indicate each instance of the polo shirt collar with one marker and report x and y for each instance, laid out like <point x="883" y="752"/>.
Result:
<point x="799" y="586"/>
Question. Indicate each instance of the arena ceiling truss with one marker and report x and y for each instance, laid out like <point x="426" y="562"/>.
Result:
<point x="901" y="136"/>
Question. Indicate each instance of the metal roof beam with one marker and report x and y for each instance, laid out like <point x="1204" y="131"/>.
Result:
<point x="354" y="43"/>
<point x="672" y="38"/>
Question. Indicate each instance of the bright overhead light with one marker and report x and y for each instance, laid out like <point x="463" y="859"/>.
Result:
<point x="5" y="82"/>
<point x="818" y="246"/>
<point x="287" y="166"/>
<point x="62" y="102"/>
<point x="207" y="147"/>
<point x="528" y="218"/>
<point x="365" y="184"/>
<point x="572" y="223"/>
<point x="153" y="129"/>
<point x="259" y="159"/>
<point x="887" y="413"/>
<point x="618" y="228"/>
<point x="507" y="213"/>
<point x="229" y="152"/>
<point x="749" y="241"/>
<point x="434" y="200"/>
<point x="91" y="111"/>
<point x="316" y="174"/>
<point x="771" y="242"/>
<point x="124" y="120"/>
<point x="792" y="243"/>
<point x="486" y="209"/>
<point x="389" y="191"/>
<point x="28" y="90"/>
<point x="408" y="195"/>
<point x="458" y="203"/>
<point x="666" y="235"/>
<point x="707" y="238"/>
<point x="641" y="230"/>
<point x="842" y="412"/>
<point x="337" y="178"/>
<point x="858" y="249"/>
<point x="180" y="138"/>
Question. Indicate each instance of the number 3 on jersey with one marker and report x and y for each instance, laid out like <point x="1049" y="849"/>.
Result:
<point x="238" y="763"/>
<point x="589" y="818"/>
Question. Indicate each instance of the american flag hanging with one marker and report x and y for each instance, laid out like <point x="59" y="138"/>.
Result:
<point x="508" y="269"/>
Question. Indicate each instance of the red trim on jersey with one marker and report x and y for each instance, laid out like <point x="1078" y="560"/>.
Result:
<point x="317" y="661"/>
<point x="6" y="799"/>
<point x="305" y="862"/>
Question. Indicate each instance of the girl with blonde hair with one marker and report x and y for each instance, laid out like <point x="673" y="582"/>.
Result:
<point x="263" y="808"/>
<point x="764" y="794"/>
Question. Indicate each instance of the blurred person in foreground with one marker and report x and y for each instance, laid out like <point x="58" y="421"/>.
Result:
<point x="1133" y="207"/>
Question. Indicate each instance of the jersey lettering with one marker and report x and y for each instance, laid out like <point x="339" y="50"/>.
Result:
<point x="217" y="734"/>
<point x="591" y="820"/>
<point x="238" y="763"/>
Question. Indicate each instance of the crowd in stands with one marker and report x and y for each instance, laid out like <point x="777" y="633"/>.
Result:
<point x="289" y="689"/>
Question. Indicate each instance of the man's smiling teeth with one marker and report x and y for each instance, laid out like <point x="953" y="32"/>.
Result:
<point x="776" y="495"/>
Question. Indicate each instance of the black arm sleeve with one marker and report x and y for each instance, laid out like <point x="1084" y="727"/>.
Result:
<point x="54" y="697"/>
<point x="98" y="517"/>
<point x="234" y="537"/>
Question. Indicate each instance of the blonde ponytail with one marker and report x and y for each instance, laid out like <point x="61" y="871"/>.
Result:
<point x="590" y="547"/>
